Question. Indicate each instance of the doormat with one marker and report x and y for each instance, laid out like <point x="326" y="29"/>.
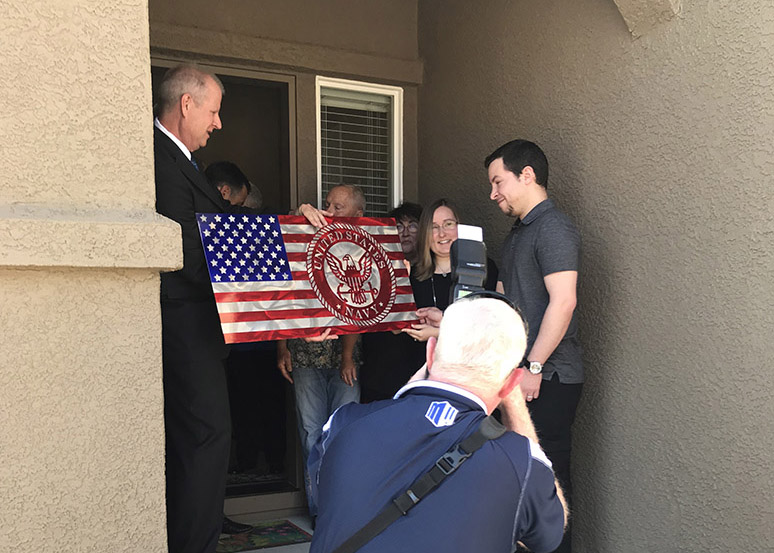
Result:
<point x="269" y="533"/>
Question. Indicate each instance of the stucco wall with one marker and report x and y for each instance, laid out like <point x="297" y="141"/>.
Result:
<point x="386" y="29"/>
<point x="661" y="152"/>
<point x="366" y="40"/>
<point x="64" y="64"/>
<point x="81" y="423"/>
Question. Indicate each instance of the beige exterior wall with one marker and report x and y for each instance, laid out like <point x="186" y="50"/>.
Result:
<point x="661" y="152"/>
<point x="81" y="424"/>
<point x="366" y="40"/>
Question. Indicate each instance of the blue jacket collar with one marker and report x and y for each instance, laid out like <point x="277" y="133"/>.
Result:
<point x="443" y="389"/>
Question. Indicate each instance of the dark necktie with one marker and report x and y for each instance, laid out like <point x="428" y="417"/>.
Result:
<point x="193" y="162"/>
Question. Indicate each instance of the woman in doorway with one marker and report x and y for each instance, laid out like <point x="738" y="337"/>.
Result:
<point x="431" y="275"/>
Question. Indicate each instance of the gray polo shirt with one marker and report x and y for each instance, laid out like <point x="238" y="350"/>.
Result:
<point x="544" y="242"/>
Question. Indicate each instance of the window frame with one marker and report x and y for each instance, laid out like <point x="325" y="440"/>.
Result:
<point x="396" y="93"/>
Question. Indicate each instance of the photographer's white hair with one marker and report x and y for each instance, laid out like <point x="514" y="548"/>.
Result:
<point x="481" y="341"/>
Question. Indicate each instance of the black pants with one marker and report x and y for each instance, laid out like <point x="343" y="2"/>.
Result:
<point x="197" y="424"/>
<point x="553" y="414"/>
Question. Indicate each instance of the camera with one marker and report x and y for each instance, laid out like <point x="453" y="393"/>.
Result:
<point x="468" y="262"/>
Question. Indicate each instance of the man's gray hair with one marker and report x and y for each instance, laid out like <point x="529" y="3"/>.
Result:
<point x="480" y="342"/>
<point x="184" y="79"/>
<point x="358" y="196"/>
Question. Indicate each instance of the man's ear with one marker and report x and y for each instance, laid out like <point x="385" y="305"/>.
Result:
<point x="224" y="191"/>
<point x="431" y="343"/>
<point x="186" y="102"/>
<point x="359" y="213"/>
<point x="511" y="382"/>
<point x="528" y="174"/>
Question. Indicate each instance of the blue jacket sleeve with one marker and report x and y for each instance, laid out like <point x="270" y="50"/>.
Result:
<point x="317" y="454"/>
<point x="541" y="516"/>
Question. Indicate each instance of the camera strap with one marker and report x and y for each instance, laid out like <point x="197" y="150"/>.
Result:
<point x="489" y="429"/>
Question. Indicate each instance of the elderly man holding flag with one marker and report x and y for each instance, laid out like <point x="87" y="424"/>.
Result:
<point x="324" y="373"/>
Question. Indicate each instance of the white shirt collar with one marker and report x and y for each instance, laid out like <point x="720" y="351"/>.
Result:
<point x="441" y="386"/>
<point x="172" y="137"/>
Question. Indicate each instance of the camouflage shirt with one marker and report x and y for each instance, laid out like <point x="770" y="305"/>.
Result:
<point x="319" y="355"/>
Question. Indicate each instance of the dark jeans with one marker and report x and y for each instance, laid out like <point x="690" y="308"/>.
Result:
<point x="553" y="414"/>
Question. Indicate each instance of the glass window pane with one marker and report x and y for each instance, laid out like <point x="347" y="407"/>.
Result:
<point x="356" y="142"/>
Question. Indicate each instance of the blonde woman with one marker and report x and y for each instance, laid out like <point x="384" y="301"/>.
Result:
<point x="431" y="274"/>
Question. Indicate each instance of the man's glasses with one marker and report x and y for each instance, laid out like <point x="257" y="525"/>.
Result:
<point x="448" y="225"/>
<point x="413" y="228"/>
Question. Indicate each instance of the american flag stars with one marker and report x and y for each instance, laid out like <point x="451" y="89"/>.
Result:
<point x="243" y="248"/>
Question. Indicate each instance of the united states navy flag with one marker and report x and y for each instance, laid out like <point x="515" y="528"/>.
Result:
<point x="277" y="276"/>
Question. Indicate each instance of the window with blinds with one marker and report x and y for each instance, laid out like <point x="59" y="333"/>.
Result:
<point x="359" y="141"/>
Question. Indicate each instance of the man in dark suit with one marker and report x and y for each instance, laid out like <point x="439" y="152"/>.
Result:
<point x="196" y="411"/>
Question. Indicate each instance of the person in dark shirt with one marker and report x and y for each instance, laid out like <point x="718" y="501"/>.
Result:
<point x="230" y="181"/>
<point x="407" y="217"/>
<point x="541" y="261"/>
<point x="390" y="358"/>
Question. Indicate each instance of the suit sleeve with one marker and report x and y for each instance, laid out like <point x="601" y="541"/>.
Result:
<point x="175" y="200"/>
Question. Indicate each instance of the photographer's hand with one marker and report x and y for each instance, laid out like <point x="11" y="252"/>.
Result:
<point x="421" y="332"/>
<point x="283" y="360"/>
<point x="430" y="315"/>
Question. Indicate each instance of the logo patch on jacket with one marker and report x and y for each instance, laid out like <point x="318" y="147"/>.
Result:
<point x="441" y="413"/>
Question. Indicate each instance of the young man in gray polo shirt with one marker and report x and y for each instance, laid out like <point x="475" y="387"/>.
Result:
<point x="540" y="273"/>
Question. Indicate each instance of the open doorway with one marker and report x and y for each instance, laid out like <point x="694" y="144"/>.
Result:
<point x="258" y="135"/>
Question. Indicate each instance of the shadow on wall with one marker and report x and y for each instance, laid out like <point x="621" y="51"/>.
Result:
<point x="597" y="320"/>
<point x="594" y="297"/>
